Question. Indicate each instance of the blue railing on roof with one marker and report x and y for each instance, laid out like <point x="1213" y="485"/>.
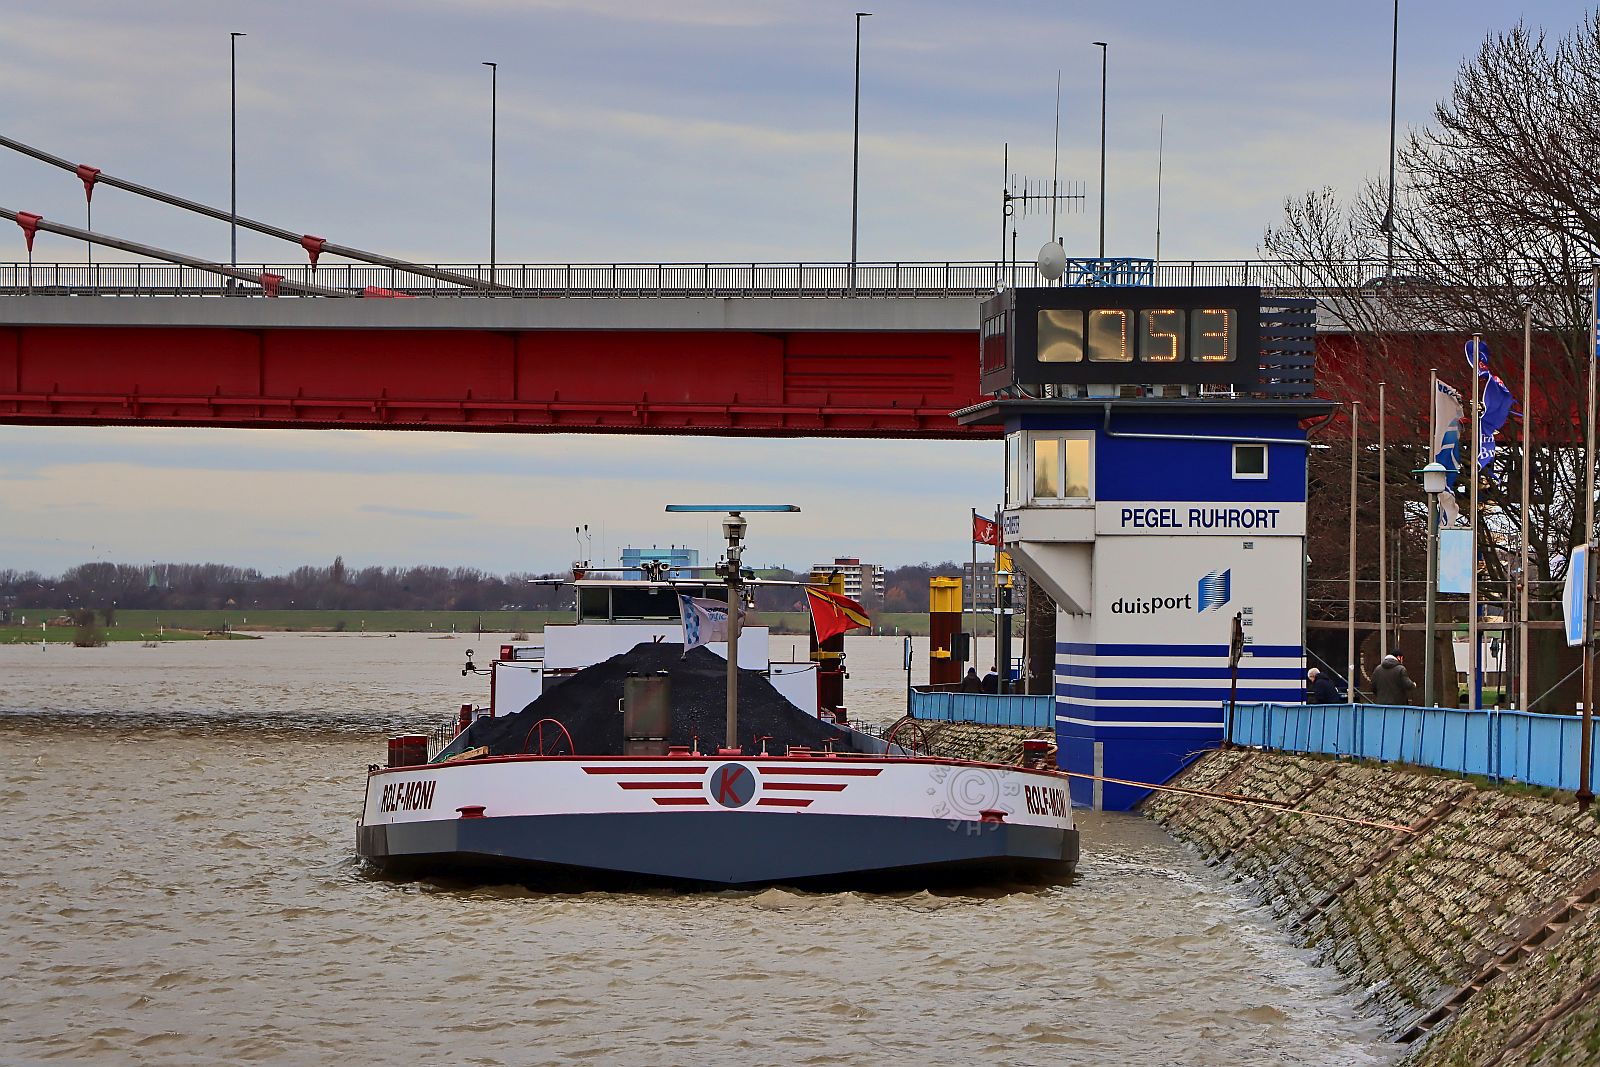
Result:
<point x="1109" y="272"/>
<point x="990" y="709"/>
<point x="1508" y="745"/>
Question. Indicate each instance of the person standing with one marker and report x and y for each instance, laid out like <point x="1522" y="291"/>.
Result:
<point x="1390" y="682"/>
<point x="1320" y="689"/>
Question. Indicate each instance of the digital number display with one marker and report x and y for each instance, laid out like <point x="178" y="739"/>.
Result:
<point x="1061" y="336"/>
<point x="1108" y="336"/>
<point x="1119" y="336"/>
<point x="1213" y="335"/>
<point x="1162" y="335"/>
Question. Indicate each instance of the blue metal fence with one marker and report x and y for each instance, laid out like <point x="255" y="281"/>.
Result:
<point x="991" y="709"/>
<point x="1513" y="745"/>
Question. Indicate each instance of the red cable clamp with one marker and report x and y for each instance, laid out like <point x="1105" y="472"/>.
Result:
<point x="30" y="225"/>
<point x="375" y="291"/>
<point x="89" y="175"/>
<point x="313" y="247"/>
<point x="269" y="283"/>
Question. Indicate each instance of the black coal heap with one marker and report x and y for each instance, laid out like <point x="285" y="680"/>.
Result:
<point x="586" y="704"/>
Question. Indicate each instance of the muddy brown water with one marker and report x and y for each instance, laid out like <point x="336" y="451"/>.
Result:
<point x="178" y="886"/>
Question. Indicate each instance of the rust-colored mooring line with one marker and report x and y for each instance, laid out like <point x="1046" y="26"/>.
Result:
<point x="1233" y="798"/>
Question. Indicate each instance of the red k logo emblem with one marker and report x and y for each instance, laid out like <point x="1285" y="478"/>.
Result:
<point x="733" y="784"/>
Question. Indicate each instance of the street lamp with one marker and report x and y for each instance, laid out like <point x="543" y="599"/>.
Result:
<point x="1104" y="51"/>
<point x="233" y="151"/>
<point x="494" y="93"/>
<point x="855" y="153"/>
<point x="1435" y="480"/>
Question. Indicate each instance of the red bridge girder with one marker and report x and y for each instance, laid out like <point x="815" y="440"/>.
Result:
<point x="717" y="382"/>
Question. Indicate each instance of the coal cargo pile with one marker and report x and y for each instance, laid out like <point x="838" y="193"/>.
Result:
<point x="586" y="704"/>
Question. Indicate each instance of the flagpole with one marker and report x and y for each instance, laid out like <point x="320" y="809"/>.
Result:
<point x="972" y="594"/>
<point x="1350" y="607"/>
<point x="1431" y="596"/>
<point x="1585" y="793"/>
<point x="1002" y="656"/>
<point x="1383" y="527"/>
<point x="1527" y="460"/>
<point x="1472" y="538"/>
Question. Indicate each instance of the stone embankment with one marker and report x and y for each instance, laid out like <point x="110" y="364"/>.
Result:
<point x="972" y="741"/>
<point x="1476" y="937"/>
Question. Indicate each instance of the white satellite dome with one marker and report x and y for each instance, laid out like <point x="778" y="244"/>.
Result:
<point x="1052" y="261"/>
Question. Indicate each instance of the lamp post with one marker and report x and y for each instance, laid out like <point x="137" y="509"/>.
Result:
<point x="494" y="93"/>
<point x="233" y="152"/>
<point x="1394" y="82"/>
<point x="1104" y="49"/>
<point x="1435" y="480"/>
<point x="855" y="153"/>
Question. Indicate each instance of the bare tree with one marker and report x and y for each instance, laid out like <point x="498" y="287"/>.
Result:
<point x="1499" y="215"/>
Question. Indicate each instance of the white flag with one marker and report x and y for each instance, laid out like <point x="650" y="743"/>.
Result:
<point x="1447" y="415"/>
<point x="704" y="621"/>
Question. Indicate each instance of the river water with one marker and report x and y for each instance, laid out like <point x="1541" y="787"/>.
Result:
<point x="178" y="885"/>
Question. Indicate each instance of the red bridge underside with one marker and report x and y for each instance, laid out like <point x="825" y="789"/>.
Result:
<point x="715" y="382"/>
<point x="724" y="382"/>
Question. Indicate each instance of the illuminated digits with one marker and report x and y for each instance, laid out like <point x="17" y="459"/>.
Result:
<point x="1213" y="329"/>
<point x="1108" y="336"/>
<point x="1161" y="329"/>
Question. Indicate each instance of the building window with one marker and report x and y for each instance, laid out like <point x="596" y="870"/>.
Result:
<point x="1249" y="461"/>
<point x="1049" y="467"/>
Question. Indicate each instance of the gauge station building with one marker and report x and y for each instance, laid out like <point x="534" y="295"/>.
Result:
<point x="1156" y="489"/>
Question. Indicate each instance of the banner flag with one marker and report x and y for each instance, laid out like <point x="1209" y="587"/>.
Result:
<point x="833" y="614"/>
<point x="1447" y="415"/>
<point x="1497" y="401"/>
<point x="1574" y="609"/>
<point x="985" y="531"/>
<point x="704" y="621"/>
<point x="1455" y="561"/>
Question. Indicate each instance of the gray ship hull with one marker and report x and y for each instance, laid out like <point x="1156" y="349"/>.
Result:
<point x="723" y="849"/>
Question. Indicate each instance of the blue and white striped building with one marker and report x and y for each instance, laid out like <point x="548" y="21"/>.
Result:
<point x="1156" y="489"/>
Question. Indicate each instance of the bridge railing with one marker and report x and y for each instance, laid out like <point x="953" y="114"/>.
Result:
<point x="556" y="280"/>
<point x="1508" y="745"/>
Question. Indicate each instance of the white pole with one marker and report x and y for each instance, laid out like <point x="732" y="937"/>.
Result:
<point x="1472" y="539"/>
<point x="1527" y="461"/>
<point x="1350" y="607"/>
<point x="1383" y="528"/>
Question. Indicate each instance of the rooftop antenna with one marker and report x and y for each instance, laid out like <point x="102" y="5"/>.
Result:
<point x="1055" y="159"/>
<point x="731" y="568"/>
<point x="1161" y="155"/>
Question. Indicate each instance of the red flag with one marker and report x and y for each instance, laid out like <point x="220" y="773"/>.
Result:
<point x="833" y="614"/>
<point x="985" y="531"/>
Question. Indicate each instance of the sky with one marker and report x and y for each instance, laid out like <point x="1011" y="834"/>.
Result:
<point x="686" y="131"/>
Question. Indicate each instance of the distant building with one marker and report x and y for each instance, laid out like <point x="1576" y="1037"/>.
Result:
<point x="677" y="558"/>
<point x="859" y="577"/>
<point x="980" y="584"/>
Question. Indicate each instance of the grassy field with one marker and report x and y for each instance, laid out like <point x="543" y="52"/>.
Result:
<point x="135" y="625"/>
<point x="64" y="635"/>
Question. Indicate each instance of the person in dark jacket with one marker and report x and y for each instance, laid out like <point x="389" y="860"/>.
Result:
<point x="1390" y="682"/>
<point x="972" y="683"/>
<point x="1321" y="689"/>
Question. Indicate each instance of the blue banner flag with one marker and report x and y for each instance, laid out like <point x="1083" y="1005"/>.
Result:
<point x="1497" y="401"/>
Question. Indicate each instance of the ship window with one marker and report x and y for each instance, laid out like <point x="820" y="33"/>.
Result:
<point x="1249" y="461"/>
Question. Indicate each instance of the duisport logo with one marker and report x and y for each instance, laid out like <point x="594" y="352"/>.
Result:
<point x="1216" y="589"/>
